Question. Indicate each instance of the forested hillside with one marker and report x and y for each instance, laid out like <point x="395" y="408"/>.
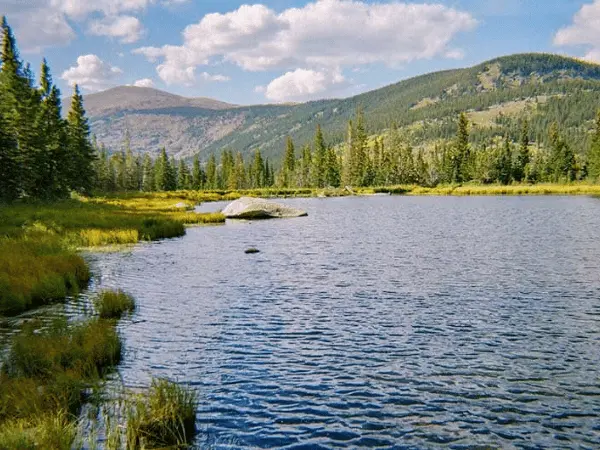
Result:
<point x="496" y="95"/>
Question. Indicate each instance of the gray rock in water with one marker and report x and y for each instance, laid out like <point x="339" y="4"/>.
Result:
<point x="258" y="208"/>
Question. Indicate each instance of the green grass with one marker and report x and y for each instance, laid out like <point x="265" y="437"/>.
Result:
<point x="54" y="431"/>
<point x="114" y="304"/>
<point x="36" y="269"/>
<point x="163" y="416"/>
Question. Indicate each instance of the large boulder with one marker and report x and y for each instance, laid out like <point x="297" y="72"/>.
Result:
<point x="258" y="208"/>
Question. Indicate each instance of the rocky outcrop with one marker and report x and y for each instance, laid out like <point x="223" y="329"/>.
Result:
<point x="258" y="208"/>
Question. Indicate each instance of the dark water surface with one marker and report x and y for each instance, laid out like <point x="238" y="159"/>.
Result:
<point x="383" y="322"/>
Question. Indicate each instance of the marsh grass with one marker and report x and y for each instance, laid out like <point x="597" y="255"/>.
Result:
<point x="53" y="432"/>
<point x="163" y="416"/>
<point x="114" y="304"/>
<point x="36" y="269"/>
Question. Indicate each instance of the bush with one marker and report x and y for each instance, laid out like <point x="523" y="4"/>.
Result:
<point x="113" y="304"/>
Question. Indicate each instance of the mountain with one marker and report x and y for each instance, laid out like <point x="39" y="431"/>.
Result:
<point x="496" y="94"/>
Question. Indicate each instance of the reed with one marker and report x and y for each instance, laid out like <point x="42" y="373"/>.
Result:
<point x="53" y="431"/>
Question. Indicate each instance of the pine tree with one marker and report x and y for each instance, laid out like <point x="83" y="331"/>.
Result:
<point x="211" y="172"/>
<point x="184" y="176"/>
<point x="504" y="163"/>
<point x="460" y="158"/>
<point x="164" y="176"/>
<point x="562" y="159"/>
<point x="258" y="171"/>
<point x="198" y="175"/>
<point x="332" y="169"/>
<point x="320" y="159"/>
<point x="593" y="156"/>
<point x="306" y="166"/>
<point x="289" y="164"/>
<point x="227" y="164"/>
<point x="524" y="157"/>
<point x="79" y="146"/>
<point x="148" y="183"/>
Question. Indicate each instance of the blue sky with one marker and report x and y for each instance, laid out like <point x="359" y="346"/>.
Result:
<point x="287" y="50"/>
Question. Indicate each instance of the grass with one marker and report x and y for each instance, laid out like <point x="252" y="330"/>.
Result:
<point x="39" y="242"/>
<point x="163" y="416"/>
<point x="36" y="269"/>
<point x="55" y="431"/>
<point x="114" y="304"/>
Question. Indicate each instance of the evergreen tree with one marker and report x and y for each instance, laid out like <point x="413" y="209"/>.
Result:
<point x="460" y="158"/>
<point x="79" y="146"/>
<point x="227" y="164"/>
<point x="258" y="175"/>
<point x="562" y="158"/>
<point x="306" y="167"/>
<point x="148" y="182"/>
<point x="211" y="172"/>
<point x="289" y="164"/>
<point x="198" y="175"/>
<point x="504" y="163"/>
<point x="165" y="177"/>
<point x="184" y="177"/>
<point x="332" y="169"/>
<point x="524" y="156"/>
<point x="593" y="156"/>
<point x="320" y="159"/>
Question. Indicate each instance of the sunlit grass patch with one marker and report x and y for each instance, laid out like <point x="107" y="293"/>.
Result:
<point x="163" y="416"/>
<point x="114" y="304"/>
<point x="37" y="269"/>
<point x="94" y="237"/>
<point x="53" y="432"/>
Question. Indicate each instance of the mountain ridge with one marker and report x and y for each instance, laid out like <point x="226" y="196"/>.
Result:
<point x="187" y="126"/>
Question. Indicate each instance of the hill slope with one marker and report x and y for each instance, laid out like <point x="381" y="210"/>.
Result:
<point x="545" y="87"/>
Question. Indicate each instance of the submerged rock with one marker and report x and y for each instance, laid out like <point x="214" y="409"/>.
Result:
<point x="251" y="251"/>
<point x="258" y="208"/>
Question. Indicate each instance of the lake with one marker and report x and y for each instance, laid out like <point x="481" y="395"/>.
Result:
<point x="377" y="322"/>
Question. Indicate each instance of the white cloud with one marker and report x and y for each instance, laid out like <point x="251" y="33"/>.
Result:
<point x="216" y="78"/>
<point x="584" y="30"/>
<point x="304" y="84"/>
<point x="321" y="36"/>
<point x="91" y="73"/>
<point x="144" y="82"/>
<point x="127" y="28"/>
<point x="45" y="23"/>
<point x="36" y="24"/>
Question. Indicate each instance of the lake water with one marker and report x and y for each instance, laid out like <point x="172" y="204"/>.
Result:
<point x="381" y="322"/>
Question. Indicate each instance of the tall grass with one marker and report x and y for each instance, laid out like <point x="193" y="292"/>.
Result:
<point x="113" y="304"/>
<point x="53" y="432"/>
<point x="36" y="269"/>
<point x="163" y="416"/>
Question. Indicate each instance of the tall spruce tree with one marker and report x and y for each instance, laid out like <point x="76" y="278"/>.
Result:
<point x="593" y="156"/>
<point x="211" y="172"/>
<point x="80" y="149"/>
<point x="289" y="164"/>
<point x="320" y="159"/>
<point x="524" y="156"/>
<point x="198" y="175"/>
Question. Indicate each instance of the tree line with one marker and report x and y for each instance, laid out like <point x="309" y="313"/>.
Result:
<point x="42" y="155"/>
<point x="364" y="161"/>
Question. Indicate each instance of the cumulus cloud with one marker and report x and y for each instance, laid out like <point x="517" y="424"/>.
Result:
<point x="216" y="78"/>
<point x="144" y="82"/>
<point x="37" y="25"/>
<point x="325" y="34"/>
<point x="302" y="85"/>
<point x="91" y="73"/>
<point x="127" y="29"/>
<point x="45" y="23"/>
<point x="584" y="30"/>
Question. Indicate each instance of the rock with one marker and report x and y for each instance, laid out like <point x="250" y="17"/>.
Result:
<point x="258" y="208"/>
<point x="251" y="251"/>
